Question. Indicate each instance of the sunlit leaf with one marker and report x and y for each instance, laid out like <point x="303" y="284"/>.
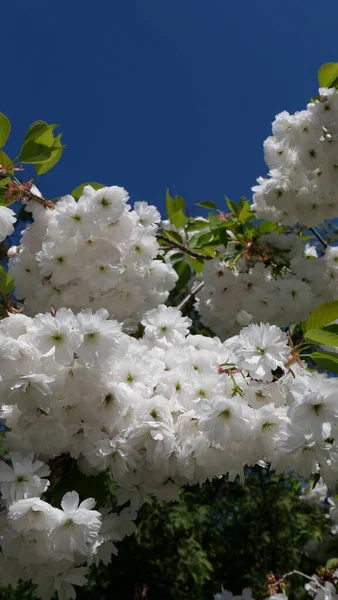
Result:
<point x="5" y="129"/>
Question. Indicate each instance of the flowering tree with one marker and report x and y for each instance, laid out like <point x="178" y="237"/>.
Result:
<point x="109" y="395"/>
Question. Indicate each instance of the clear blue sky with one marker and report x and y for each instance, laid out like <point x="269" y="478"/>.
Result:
<point x="158" y="93"/>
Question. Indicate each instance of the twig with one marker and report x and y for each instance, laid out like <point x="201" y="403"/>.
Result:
<point x="312" y="578"/>
<point x="30" y="196"/>
<point x="190" y="295"/>
<point x="182" y="248"/>
<point x="318" y="236"/>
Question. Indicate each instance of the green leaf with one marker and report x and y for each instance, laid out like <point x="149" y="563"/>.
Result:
<point x="41" y="168"/>
<point x="328" y="75"/>
<point x="173" y="235"/>
<point x="5" y="129"/>
<point x="200" y="239"/>
<point x="179" y="219"/>
<point x="196" y="225"/>
<point x="266" y="226"/>
<point x="214" y="220"/>
<point x="321" y="337"/>
<point x="180" y="202"/>
<point x="6" y="282"/>
<point x="322" y="315"/>
<point x="177" y="256"/>
<point x="332" y="563"/>
<point x="223" y="236"/>
<point x="54" y="158"/>
<point x="196" y="263"/>
<point x="31" y="152"/>
<point x="208" y="204"/>
<point x="4" y="181"/>
<point x="233" y="207"/>
<point x="6" y="162"/>
<point x="206" y="250"/>
<point x="46" y="136"/>
<point x="332" y="328"/>
<point x="175" y="208"/>
<point x="326" y="360"/>
<point x="34" y="130"/>
<point x="183" y="271"/>
<point x="245" y="211"/>
<point x="78" y="191"/>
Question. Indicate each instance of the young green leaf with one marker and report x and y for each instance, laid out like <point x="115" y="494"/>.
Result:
<point x="199" y="239"/>
<point x="208" y="204"/>
<point x="223" y="236"/>
<point x="6" y="282"/>
<point x="233" y="207"/>
<point x="183" y="271"/>
<point x="78" y="191"/>
<point x="196" y="263"/>
<point x="328" y="75"/>
<point x="318" y="336"/>
<point x="322" y="315"/>
<point x="56" y="154"/>
<point x="5" y="129"/>
<point x="173" y="235"/>
<point x="326" y="360"/>
<point x="42" y="133"/>
<point x="245" y="212"/>
<point x="31" y="152"/>
<point x="266" y="226"/>
<point x="6" y="162"/>
<point x="175" y="208"/>
<point x="196" y="225"/>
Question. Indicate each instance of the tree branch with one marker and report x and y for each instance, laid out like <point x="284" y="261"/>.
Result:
<point x="319" y="237"/>
<point x="182" y="248"/>
<point x="191" y="295"/>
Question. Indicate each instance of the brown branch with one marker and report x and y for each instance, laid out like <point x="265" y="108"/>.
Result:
<point x="182" y="248"/>
<point x="30" y="196"/>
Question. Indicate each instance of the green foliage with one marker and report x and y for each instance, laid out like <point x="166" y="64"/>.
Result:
<point x="326" y="360"/>
<point x="328" y="75"/>
<point x="319" y="336"/>
<point x="6" y="282"/>
<point x="33" y="152"/>
<point x="220" y="533"/>
<point x="208" y="204"/>
<point x="322" y="315"/>
<point x="183" y="271"/>
<point x="40" y="147"/>
<point x="5" y="129"/>
<point x="78" y="191"/>
<point x="175" y="209"/>
<point x="6" y="162"/>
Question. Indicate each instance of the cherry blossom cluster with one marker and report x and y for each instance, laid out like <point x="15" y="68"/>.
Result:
<point x="53" y="547"/>
<point x="251" y="292"/>
<point x="157" y="412"/>
<point x="94" y="252"/>
<point x="303" y="160"/>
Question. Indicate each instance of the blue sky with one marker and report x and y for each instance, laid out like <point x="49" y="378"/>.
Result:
<point x="161" y="93"/>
